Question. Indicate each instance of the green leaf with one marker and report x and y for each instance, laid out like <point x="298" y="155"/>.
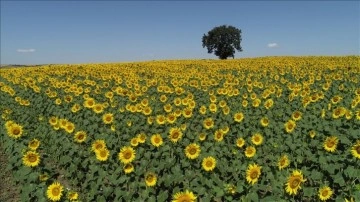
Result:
<point x="100" y="198"/>
<point x="315" y="175"/>
<point x="253" y="196"/>
<point x="338" y="178"/>
<point x="240" y="187"/>
<point x="308" y="191"/>
<point x="162" y="196"/>
<point x="219" y="192"/>
<point x="351" y="172"/>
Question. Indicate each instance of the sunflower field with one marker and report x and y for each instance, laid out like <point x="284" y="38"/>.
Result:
<point x="258" y="129"/>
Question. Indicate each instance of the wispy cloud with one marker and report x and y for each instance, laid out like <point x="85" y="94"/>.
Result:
<point x="273" y="45"/>
<point x="26" y="50"/>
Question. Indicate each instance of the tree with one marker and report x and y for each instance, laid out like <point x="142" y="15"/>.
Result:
<point x="224" y="40"/>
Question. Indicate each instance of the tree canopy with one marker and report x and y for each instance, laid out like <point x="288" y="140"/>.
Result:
<point x="223" y="41"/>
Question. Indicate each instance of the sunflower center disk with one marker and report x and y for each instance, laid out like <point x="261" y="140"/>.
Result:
<point x="103" y="153"/>
<point x="192" y="151"/>
<point x="127" y="155"/>
<point x="295" y="183"/>
<point x="358" y="149"/>
<point x="32" y="158"/>
<point x="254" y="175"/>
<point x="55" y="191"/>
<point x="330" y="144"/>
<point x="16" y="131"/>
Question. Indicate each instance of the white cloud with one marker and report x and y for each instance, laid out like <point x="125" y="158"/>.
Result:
<point x="25" y="50"/>
<point x="273" y="45"/>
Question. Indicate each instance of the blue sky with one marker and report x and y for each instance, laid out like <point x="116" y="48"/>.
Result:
<point x="39" y="32"/>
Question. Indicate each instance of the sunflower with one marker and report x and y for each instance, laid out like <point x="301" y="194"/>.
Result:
<point x="141" y="138"/>
<point x="323" y="113"/>
<point x="108" y="118"/>
<point x="244" y="103"/>
<point x="34" y="144"/>
<point x="63" y="123"/>
<point x="294" y="182"/>
<point x="171" y="118"/>
<point x="240" y="142"/>
<point x="325" y="193"/>
<point x="338" y="112"/>
<point x="183" y="126"/>
<point x="238" y="117"/>
<point x="213" y="107"/>
<point x="163" y="98"/>
<point x="264" y="121"/>
<point x="53" y="121"/>
<point x="358" y="115"/>
<point x="54" y="191"/>
<point x="253" y="173"/>
<point x="80" y="136"/>
<point x="8" y="124"/>
<point x="68" y="98"/>
<point x="15" y="130"/>
<point x="75" y="108"/>
<point x="58" y="101"/>
<point x="98" y="108"/>
<point x="102" y="154"/>
<point x="156" y="140"/>
<point x="348" y="114"/>
<point x="218" y="136"/>
<point x="167" y="108"/>
<point x="202" y="136"/>
<point x="70" y="127"/>
<point x="128" y="168"/>
<point x="98" y="144"/>
<point x="208" y="123"/>
<point x="202" y="110"/>
<point x="208" y="163"/>
<point x="330" y="143"/>
<point x="296" y="115"/>
<point x="230" y="189"/>
<point x="160" y="119"/>
<point x="89" y="103"/>
<point x="226" y="110"/>
<point x="350" y="200"/>
<point x="312" y="133"/>
<point x="73" y="196"/>
<point x="257" y="139"/>
<point x="336" y="99"/>
<point x="147" y="110"/>
<point x="187" y="112"/>
<point x="186" y="196"/>
<point x="175" y="134"/>
<point x="283" y="162"/>
<point x="177" y="112"/>
<point x="134" y="141"/>
<point x="127" y="154"/>
<point x="290" y="126"/>
<point x="250" y="151"/>
<point x="31" y="159"/>
<point x="355" y="150"/>
<point x="256" y="102"/>
<point x="150" y="179"/>
<point x="43" y="177"/>
<point x="225" y="130"/>
<point x="192" y="151"/>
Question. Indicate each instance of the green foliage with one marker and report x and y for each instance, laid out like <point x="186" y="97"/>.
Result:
<point x="223" y="40"/>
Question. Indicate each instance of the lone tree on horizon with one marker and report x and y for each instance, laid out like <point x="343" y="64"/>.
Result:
<point x="224" y="40"/>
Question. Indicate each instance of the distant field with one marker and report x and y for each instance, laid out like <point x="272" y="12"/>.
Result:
<point x="268" y="129"/>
